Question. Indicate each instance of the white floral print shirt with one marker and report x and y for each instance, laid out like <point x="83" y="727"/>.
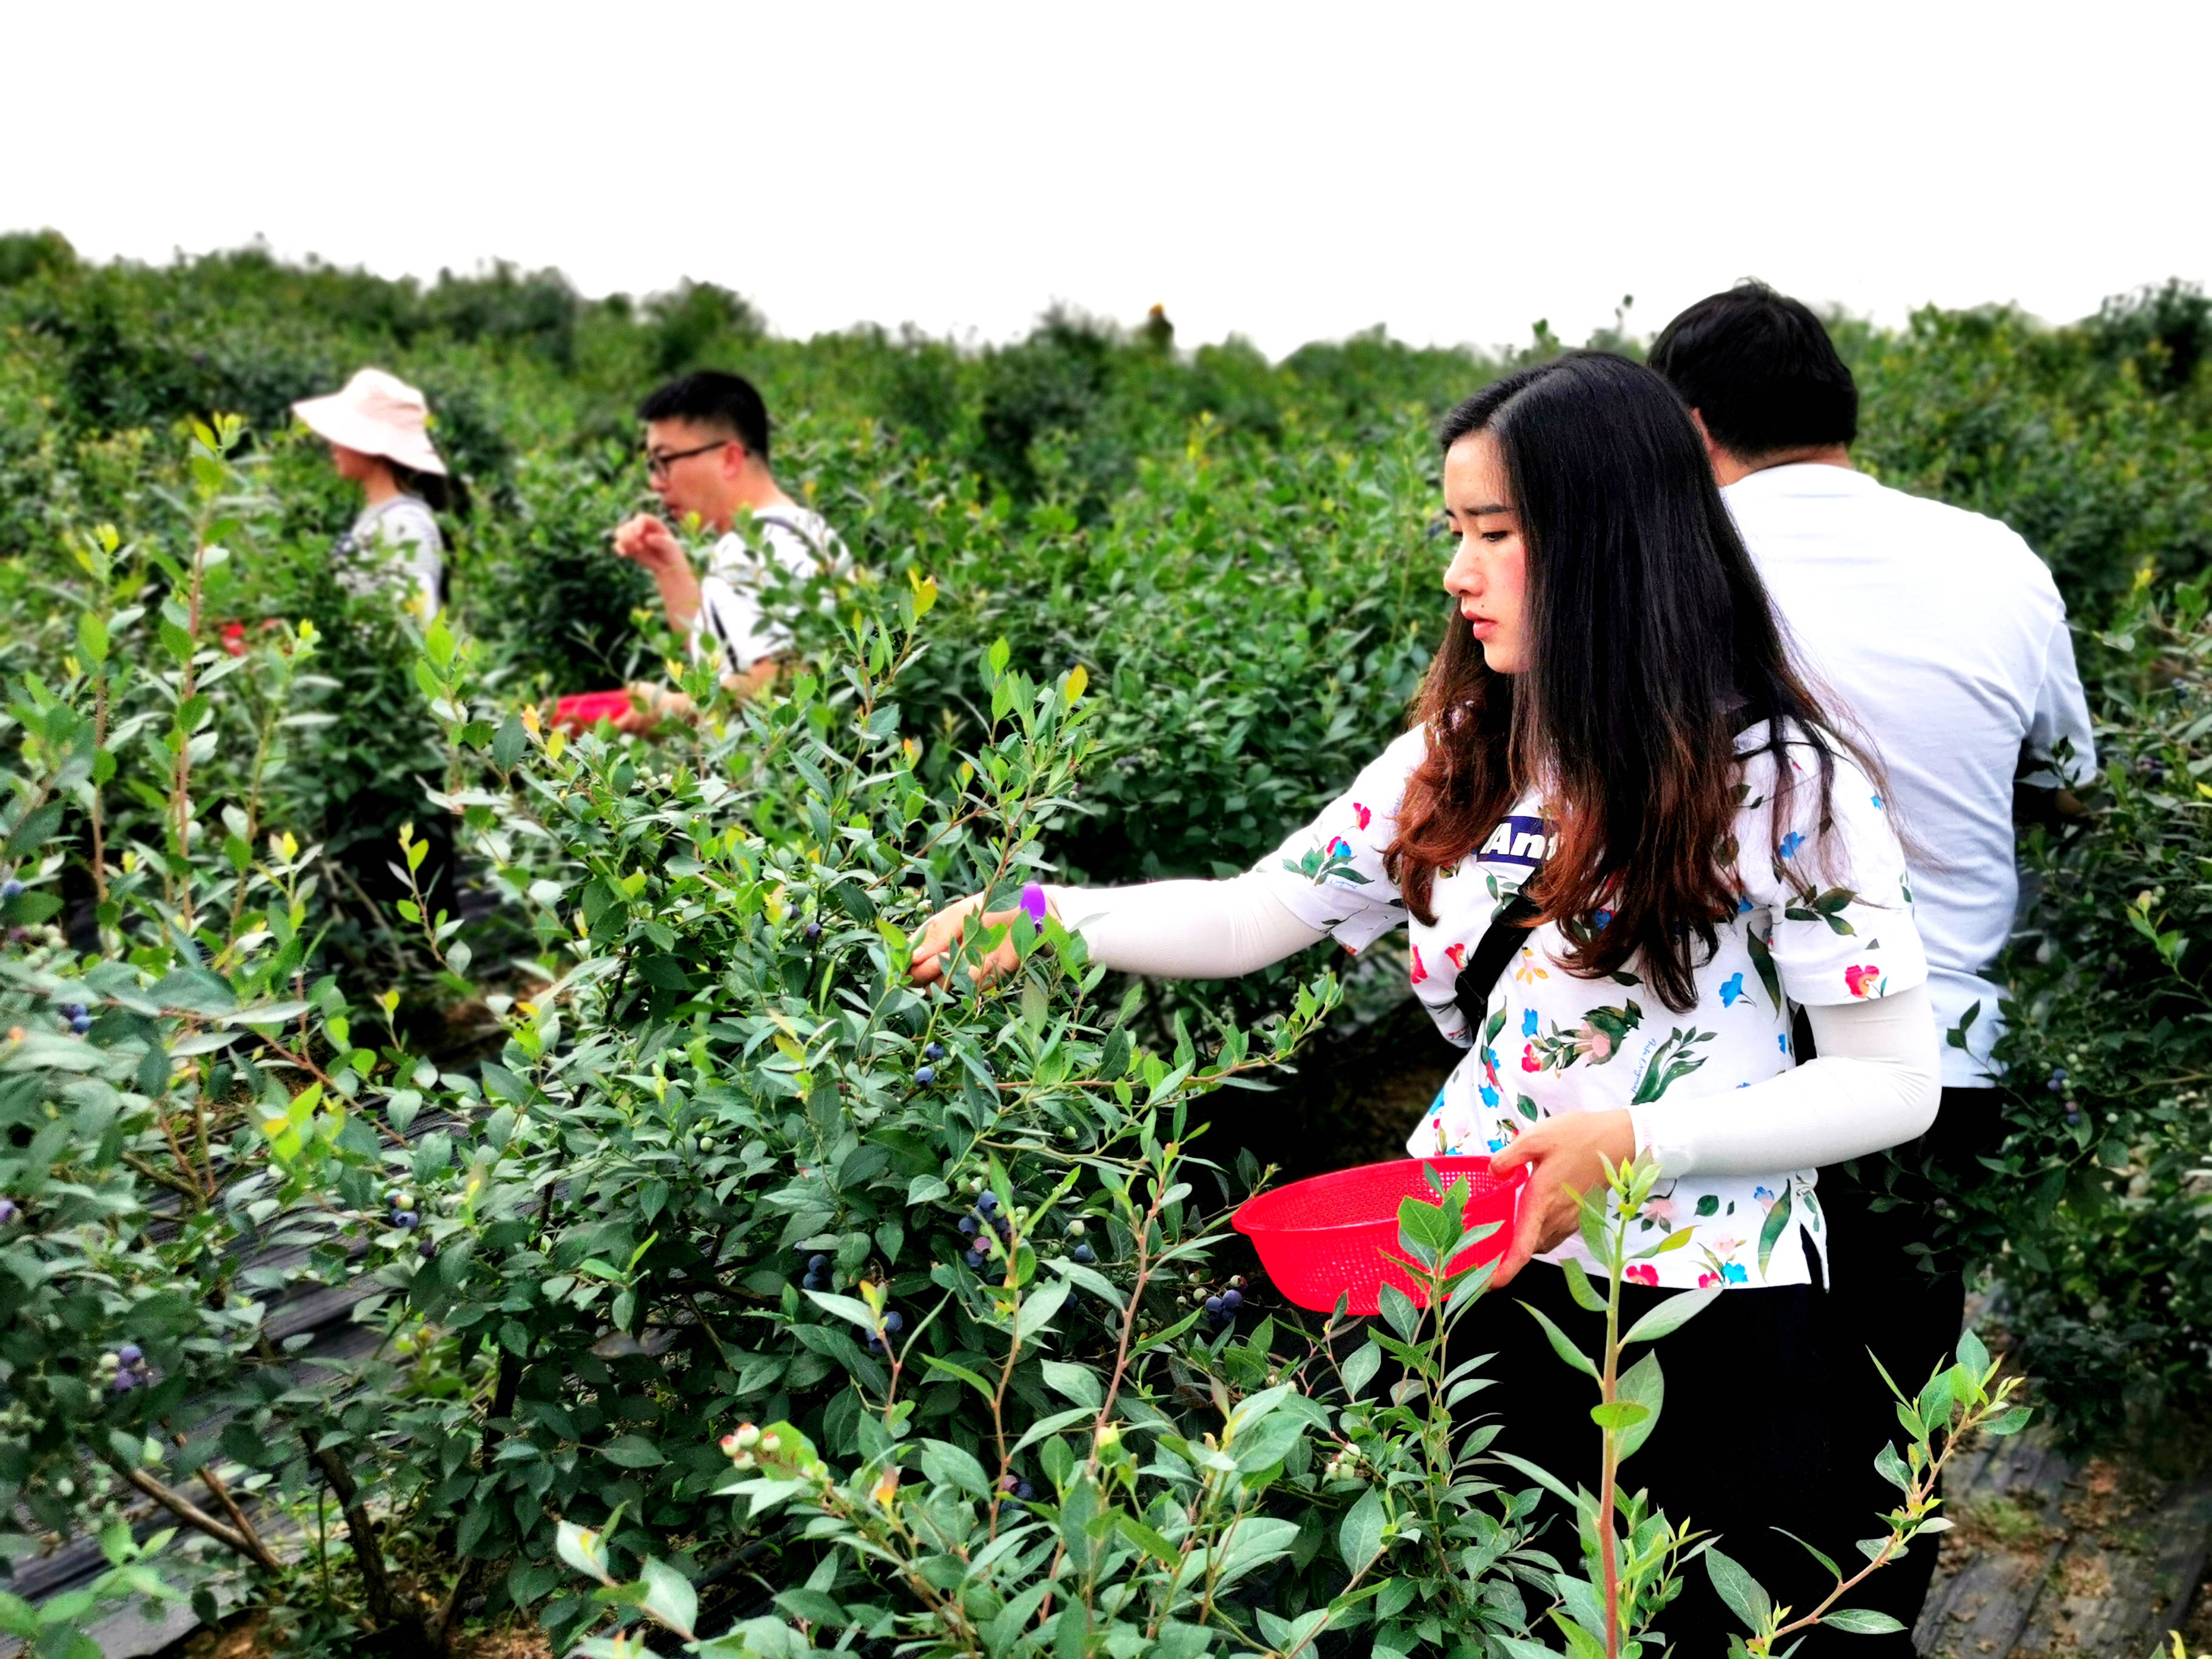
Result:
<point x="1822" y="920"/>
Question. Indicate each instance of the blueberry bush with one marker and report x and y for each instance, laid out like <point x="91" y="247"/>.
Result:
<point x="576" y="1074"/>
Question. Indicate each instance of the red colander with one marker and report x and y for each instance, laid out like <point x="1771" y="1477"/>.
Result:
<point x="1324" y="1238"/>
<point x="588" y="709"/>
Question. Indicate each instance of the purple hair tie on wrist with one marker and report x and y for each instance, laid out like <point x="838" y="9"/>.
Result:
<point x="1033" y="904"/>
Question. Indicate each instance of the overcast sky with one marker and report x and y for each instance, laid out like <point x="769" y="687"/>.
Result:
<point x="1285" y="172"/>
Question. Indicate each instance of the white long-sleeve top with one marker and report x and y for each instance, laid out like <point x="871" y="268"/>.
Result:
<point x="1876" y="1083"/>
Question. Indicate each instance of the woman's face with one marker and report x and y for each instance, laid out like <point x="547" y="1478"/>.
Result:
<point x="1488" y="574"/>
<point x="352" y="465"/>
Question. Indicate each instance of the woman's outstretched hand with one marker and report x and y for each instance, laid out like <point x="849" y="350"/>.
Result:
<point x="942" y="932"/>
<point x="1565" y="1156"/>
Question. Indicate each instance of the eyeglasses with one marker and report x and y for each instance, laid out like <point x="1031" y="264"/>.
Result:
<point x="657" y="464"/>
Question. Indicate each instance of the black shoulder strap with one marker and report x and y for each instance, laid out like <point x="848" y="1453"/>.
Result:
<point x="1507" y="932"/>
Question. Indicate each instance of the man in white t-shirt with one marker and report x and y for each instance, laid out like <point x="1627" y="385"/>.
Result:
<point x="1944" y="634"/>
<point x="706" y="453"/>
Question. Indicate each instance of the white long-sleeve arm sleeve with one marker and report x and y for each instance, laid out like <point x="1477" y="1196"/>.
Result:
<point x="1876" y="1083"/>
<point x="1183" y="929"/>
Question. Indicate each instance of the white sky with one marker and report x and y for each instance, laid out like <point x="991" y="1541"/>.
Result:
<point x="1288" y="172"/>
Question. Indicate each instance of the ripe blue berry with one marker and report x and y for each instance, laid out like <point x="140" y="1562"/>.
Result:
<point x="405" y="1219"/>
<point x="81" y="1024"/>
<point x="926" y="1076"/>
<point x="72" y="1010"/>
<point x="968" y="1225"/>
<point x="11" y="888"/>
<point x="1084" y="1254"/>
<point x="1232" y="1300"/>
<point x="815" y="1264"/>
<point x="1213" y="1304"/>
<point x="934" y="1051"/>
<point x="812" y="931"/>
<point x="1025" y="1492"/>
<point x="988" y="1202"/>
<point x="125" y="1381"/>
<point x="894" y="1323"/>
<point x="8" y="1210"/>
<point x="129" y="1354"/>
<point x="978" y="1256"/>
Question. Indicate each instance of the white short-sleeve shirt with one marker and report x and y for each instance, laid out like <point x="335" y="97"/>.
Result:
<point x="731" y="614"/>
<point x="1945" y="636"/>
<point x="1823" y="920"/>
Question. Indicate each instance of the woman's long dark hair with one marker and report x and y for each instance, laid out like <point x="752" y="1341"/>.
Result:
<point x="1651" y="644"/>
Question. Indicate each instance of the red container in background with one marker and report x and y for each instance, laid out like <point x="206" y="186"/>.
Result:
<point x="1324" y="1238"/>
<point x="586" y="709"/>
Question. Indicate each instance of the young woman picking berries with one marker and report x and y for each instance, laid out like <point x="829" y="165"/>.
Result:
<point x="1614" y="732"/>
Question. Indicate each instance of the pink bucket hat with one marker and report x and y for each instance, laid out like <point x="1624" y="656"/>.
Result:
<point x="377" y="414"/>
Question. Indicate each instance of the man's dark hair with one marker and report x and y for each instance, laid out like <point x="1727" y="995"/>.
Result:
<point x="1761" y="370"/>
<point x="711" y="397"/>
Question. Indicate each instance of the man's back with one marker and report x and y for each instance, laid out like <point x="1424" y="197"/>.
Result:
<point x="1945" y="636"/>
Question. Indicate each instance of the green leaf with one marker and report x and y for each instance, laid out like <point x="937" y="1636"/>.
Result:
<point x="1739" y="1590"/>
<point x="1670" y="1315"/>
<point x="1861" y="1621"/>
<point x="845" y="1307"/>
<point x="1776" y="1220"/>
<point x="1562" y="1345"/>
<point x="1359" y="1534"/>
<point x="1645" y="1385"/>
<point x="669" y="1597"/>
<point x="583" y="1549"/>
<point x="1972" y="1354"/>
<point x="1621" y="1414"/>
<point x="2011" y="1421"/>
<point x="632" y="1451"/>
<point x="1359" y="1368"/>
<point x="1586" y="1295"/>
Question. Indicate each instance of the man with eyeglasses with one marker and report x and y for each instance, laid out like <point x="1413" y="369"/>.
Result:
<point x="706" y="452"/>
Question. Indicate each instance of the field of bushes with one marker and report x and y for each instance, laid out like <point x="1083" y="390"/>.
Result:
<point x="579" y="1067"/>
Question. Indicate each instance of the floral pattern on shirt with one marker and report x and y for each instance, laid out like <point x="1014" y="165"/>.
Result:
<point x="1821" y="918"/>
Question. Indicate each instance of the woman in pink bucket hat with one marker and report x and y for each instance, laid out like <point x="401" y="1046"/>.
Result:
<point x="378" y="428"/>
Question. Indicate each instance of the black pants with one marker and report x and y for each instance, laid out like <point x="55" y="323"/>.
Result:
<point x="1741" y="1446"/>
<point x="1886" y="1299"/>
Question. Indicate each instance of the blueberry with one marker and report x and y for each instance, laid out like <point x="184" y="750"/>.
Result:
<point x="125" y="1381"/>
<point x="934" y="1051"/>
<point x="1232" y="1300"/>
<point x="11" y="888"/>
<point x="978" y="1256"/>
<point x="72" y="1010"/>
<point x="968" y="1225"/>
<point x="81" y="1024"/>
<point x="926" y="1076"/>
<point x="405" y="1219"/>
<point x="2072" y="1118"/>
<point x="1084" y="1254"/>
<point x="8" y="1210"/>
<point x="814" y="1282"/>
<point x="875" y="1344"/>
<point x="988" y="1202"/>
<point x="1213" y="1304"/>
<point x="894" y="1323"/>
<point x="1023" y="1491"/>
<point x="129" y="1354"/>
<point x="812" y="931"/>
<point x="817" y="1264"/>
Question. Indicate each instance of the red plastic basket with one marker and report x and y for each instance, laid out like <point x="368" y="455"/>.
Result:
<point x="1324" y="1238"/>
<point x="587" y="709"/>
